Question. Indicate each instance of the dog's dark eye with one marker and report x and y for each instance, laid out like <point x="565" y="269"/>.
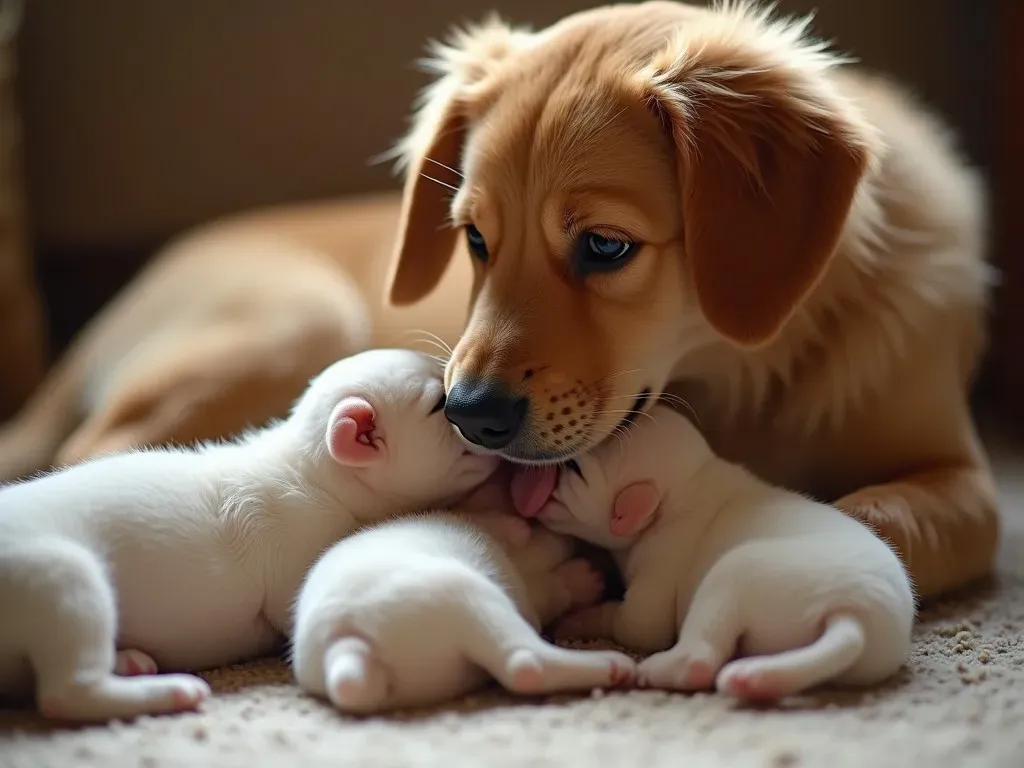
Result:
<point x="477" y="244"/>
<point x="439" y="404"/>
<point x="595" y="253"/>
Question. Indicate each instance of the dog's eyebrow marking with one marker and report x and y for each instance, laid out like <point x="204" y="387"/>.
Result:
<point x="446" y="167"/>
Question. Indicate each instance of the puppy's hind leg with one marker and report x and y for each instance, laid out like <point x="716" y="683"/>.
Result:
<point x="66" y="624"/>
<point x="505" y="645"/>
<point x="790" y="672"/>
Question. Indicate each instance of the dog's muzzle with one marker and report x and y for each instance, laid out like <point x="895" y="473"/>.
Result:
<point x="486" y="413"/>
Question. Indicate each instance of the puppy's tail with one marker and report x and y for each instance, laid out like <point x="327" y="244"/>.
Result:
<point x="788" y="673"/>
<point x="355" y="679"/>
<point x="507" y="647"/>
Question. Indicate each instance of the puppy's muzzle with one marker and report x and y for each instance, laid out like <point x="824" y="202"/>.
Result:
<point x="486" y="412"/>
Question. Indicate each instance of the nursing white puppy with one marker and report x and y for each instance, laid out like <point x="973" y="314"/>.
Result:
<point x="188" y="559"/>
<point x="422" y="609"/>
<point x="718" y="563"/>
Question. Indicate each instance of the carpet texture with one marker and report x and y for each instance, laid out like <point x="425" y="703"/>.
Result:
<point x="959" y="702"/>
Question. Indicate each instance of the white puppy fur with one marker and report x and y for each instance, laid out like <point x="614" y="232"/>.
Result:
<point x="719" y="563"/>
<point x="421" y="609"/>
<point x="191" y="558"/>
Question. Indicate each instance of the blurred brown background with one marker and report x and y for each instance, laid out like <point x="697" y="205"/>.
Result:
<point x="143" y="117"/>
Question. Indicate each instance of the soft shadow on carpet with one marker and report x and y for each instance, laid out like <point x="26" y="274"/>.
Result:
<point x="960" y="702"/>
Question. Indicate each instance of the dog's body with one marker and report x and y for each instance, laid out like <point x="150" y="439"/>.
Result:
<point x="188" y="559"/>
<point x="717" y="561"/>
<point x="825" y="327"/>
<point x="422" y="609"/>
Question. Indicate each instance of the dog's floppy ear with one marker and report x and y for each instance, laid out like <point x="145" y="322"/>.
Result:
<point x="769" y="159"/>
<point x="431" y="154"/>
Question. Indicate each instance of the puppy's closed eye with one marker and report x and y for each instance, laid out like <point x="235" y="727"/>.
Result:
<point x="439" y="404"/>
<point x="575" y="467"/>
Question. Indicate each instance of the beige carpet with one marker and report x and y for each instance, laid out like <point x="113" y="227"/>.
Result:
<point x="959" y="703"/>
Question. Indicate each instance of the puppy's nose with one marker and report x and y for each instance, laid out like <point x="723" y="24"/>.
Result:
<point x="486" y="413"/>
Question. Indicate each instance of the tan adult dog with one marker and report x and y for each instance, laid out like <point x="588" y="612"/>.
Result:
<point x="656" y="198"/>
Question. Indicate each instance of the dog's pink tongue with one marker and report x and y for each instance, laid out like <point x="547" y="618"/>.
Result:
<point x="531" y="489"/>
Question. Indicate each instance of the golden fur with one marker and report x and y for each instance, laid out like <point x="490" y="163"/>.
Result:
<point x="811" y="279"/>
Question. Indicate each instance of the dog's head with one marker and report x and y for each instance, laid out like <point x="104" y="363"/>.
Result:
<point x="633" y="184"/>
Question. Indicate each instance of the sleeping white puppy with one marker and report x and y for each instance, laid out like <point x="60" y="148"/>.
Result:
<point x="718" y="563"/>
<point x="421" y="609"/>
<point x="189" y="559"/>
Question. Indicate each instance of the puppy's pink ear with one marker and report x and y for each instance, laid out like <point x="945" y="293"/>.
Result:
<point x="634" y="509"/>
<point x="351" y="438"/>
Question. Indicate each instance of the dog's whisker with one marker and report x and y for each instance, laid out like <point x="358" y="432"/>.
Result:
<point x="667" y="397"/>
<point x="446" y="167"/>
<point x="683" y="403"/>
<point x="442" y="183"/>
<point x="645" y="414"/>
<point x="437" y="341"/>
<point x="433" y="340"/>
<point x="433" y="344"/>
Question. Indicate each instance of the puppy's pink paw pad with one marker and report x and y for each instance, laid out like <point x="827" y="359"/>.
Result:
<point x="621" y="673"/>
<point x="190" y="694"/>
<point x="51" y="708"/>
<point x="583" y="581"/>
<point x="130" y="663"/>
<point x="751" y="685"/>
<point x="674" y="671"/>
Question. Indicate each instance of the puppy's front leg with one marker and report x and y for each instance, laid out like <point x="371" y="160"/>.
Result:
<point x="644" y="620"/>
<point x="708" y="637"/>
<point x="943" y="523"/>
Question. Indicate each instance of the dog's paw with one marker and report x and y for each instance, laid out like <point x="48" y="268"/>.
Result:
<point x="584" y="582"/>
<point x="679" y="669"/>
<point x="886" y="511"/>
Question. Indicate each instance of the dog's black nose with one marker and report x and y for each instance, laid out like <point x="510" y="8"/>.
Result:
<point x="486" y="413"/>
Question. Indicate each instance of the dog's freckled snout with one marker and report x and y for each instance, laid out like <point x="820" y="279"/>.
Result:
<point x="486" y="413"/>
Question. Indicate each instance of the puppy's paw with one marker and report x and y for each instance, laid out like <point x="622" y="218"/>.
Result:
<point x="594" y="623"/>
<point x="131" y="662"/>
<point x="512" y="531"/>
<point x="622" y="670"/>
<point x="584" y="583"/>
<point x="749" y="679"/>
<point x="680" y="669"/>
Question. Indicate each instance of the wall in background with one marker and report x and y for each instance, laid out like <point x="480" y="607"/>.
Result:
<point x="146" y="117"/>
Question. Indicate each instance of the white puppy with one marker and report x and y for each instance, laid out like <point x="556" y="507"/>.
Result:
<point x="421" y="609"/>
<point x="716" y="563"/>
<point x="188" y="559"/>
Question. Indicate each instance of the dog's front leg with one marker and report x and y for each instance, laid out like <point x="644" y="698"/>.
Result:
<point x="943" y="523"/>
